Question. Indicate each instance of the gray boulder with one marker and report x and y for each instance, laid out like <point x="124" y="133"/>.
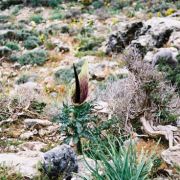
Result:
<point x="159" y="32"/>
<point x="145" y="35"/>
<point x="167" y="55"/>
<point x="118" y="41"/>
<point x="23" y="162"/>
<point x="60" y="161"/>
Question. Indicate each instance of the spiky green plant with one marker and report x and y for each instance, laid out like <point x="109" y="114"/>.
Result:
<point x="117" y="162"/>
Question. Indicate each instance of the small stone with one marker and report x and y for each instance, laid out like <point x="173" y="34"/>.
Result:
<point x="27" y="135"/>
<point x="32" y="122"/>
<point x="33" y="146"/>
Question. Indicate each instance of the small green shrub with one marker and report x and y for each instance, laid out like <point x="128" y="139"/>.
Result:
<point x="33" y="57"/>
<point x="37" y="18"/>
<point x="12" y="45"/>
<point x="37" y="106"/>
<point x="65" y="76"/>
<point x="160" y="7"/>
<point x="16" y="10"/>
<point x="4" y="18"/>
<point x="65" y="29"/>
<point x="31" y="42"/>
<point x="23" y="79"/>
<point x="97" y="4"/>
<point x="57" y="14"/>
<point x="90" y="53"/>
<point x="118" y="162"/>
<point x="22" y="35"/>
<point x="54" y="3"/>
<point x="8" y="143"/>
<point x="172" y="73"/>
<point x="90" y="43"/>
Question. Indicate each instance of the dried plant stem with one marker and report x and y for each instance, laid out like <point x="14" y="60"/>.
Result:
<point x="166" y="131"/>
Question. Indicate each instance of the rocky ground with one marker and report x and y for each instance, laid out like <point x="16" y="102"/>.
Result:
<point x="38" y="46"/>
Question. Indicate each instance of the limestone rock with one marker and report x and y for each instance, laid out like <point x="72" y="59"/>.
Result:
<point x="62" y="161"/>
<point x="172" y="155"/>
<point x="146" y="35"/>
<point x="117" y="42"/>
<point x="24" y="162"/>
<point x="32" y="146"/>
<point x="166" y="54"/>
<point x="27" y="135"/>
<point x="174" y="40"/>
<point x="32" y="122"/>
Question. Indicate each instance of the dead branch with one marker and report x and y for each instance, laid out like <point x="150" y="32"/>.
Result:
<point x="166" y="131"/>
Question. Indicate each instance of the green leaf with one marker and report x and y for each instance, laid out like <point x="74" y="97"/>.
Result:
<point x="79" y="127"/>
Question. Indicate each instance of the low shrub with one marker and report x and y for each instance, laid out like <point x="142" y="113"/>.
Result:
<point x="90" y="53"/>
<point x="31" y="42"/>
<point x="4" y="111"/>
<point x="12" y="45"/>
<point x="52" y="3"/>
<point x="57" y="14"/>
<point x="171" y="73"/>
<point x="37" y="18"/>
<point x="32" y="57"/>
<point x="65" y="76"/>
<point x="89" y="43"/>
<point x="23" y="79"/>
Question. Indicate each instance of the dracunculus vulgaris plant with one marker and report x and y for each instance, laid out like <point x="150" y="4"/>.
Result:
<point x="77" y="120"/>
<point x="74" y="118"/>
<point x="80" y="107"/>
<point x="80" y="91"/>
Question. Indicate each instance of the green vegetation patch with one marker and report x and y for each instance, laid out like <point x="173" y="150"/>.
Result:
<point x="12" y="45"/>
<point x="118" y="162"/>
<point x="38" y="57"/>
<point x="37" y="18"/>
<point x="172" y="73"/>
<point x="31" y="42"/>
